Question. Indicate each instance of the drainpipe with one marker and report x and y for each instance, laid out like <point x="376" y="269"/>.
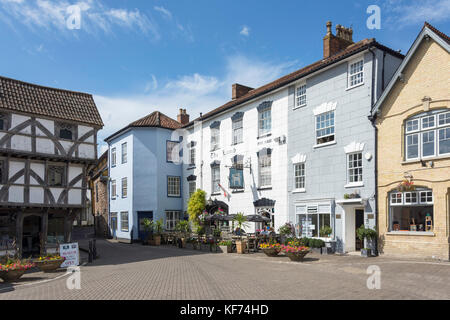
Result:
<point x="201" y="150"/>
<point x="372" y="120"/>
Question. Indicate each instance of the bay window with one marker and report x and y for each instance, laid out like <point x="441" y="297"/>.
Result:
<point x="427" y="135"/>
<point x="411" y="211"/>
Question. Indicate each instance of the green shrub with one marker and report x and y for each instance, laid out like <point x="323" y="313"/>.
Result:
<point x="228" y="243"/>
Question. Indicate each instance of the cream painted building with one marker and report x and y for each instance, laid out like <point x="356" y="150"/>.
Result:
<point x="413" y="153"/>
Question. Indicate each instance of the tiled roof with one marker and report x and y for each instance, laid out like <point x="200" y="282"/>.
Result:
<point x="350" y="50"/>
<point x="155" y="119"/>
<point x="26" y="97"/>
<point x="444" y="37"/>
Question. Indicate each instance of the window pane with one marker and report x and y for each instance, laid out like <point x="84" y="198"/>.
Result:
<point x="428" y="122"/>
<point x="412" y="146"/>
<point x="428" y="143"/>
<point x="444" y="118"/>
<point x="444" y="140"/>
<point x="412" y="125"/>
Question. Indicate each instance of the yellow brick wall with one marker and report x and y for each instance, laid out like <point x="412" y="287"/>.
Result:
<point x="426" y="75"/>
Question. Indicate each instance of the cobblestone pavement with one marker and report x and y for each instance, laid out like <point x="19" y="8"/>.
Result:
<point x="126" y="271"/>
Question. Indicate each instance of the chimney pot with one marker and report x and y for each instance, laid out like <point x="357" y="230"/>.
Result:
<point x="183" y="117"/>
<point x="333" y="44"/>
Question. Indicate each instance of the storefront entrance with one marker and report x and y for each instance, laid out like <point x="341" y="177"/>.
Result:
<point x="31" y="245"/>
<point x="359" y="221"/>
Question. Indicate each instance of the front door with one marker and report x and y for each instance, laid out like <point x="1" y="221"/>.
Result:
<point x="359" y="221"/>
<point x="114" y="225"/>
<point x="141" y="216"/>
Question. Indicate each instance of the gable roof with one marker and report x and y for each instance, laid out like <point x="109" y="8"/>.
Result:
<point x="31" y="98"/>
<point x="154" y="120"/>
<point x="296" y="75"/>
<point x="427" y="31"/>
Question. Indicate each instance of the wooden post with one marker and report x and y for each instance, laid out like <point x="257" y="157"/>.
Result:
<point x="19" y="233"/>
<point x="44" y="233"/>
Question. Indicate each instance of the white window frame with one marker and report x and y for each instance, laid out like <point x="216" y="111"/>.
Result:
<point x="408" y="197"/>
<point x="124" y="153"/>
<point x="351" y="170"/>
<point x="170" y="151"/>
<point x="300" y="96"/>
<point x="174" y="185"/>
<point x="392" y="198"/>
<point x="319" y="120"/>
<point x="192" y="190"/>
<point x="238" y="131"/>
<point x="124" y="187"/>
<point x="265" y="170"/>
<point x="215" y="138"/>
<point x="350" y="74"/>
<point x="113" y="189"/>
<point x="113" y="157"/>
<point x="192" y="156"/>
<point x="420" y="129"/>
<point x="215" y="179"/>
<point x="267" y="121"/>
<point x="301" y="187"/>
<point x="172" y="217"/>
<point x="122" y="220"/>
<point x="427" y="195"/>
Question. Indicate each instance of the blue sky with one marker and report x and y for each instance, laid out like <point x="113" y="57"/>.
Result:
<point x="138" y="56"/>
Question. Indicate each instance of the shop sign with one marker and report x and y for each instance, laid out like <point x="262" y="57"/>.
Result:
<point x="71" y="252"/>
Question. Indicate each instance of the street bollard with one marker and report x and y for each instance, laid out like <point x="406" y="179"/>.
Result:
<point x="90" y="251"/>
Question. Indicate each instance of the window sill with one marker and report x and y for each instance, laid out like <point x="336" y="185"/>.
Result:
<point x="238" y="191"/>
<point x="173" y="196"/>
<point x="354" y="185"/>
<point x="191" y="168"/>
<point x="237" y="143"/>
<point x="298" y="107"/>
<point x="216" y="194"/>
<point x="265" y="188"/>
<point x="303" y="190"/>
<point x="326" y="144"/>
<point x="264" y="136"/>
<point x="411" y="233"/>
<point x="355" y="86"/>
<point x="411" y="161"/>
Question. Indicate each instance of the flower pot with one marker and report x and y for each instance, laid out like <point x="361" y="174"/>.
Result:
<point x="155" y="241"/>
<point x="12" y="275"/>
<point x="48" y="265"/>
<point x="271" y="252"/>
<point x="225" y="249"/>
<point x="366" y="253"/>
<point x="297" y="256"/>
<point x="241" y="246"/>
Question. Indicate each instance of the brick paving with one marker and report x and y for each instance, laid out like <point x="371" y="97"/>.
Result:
<point x="127" y="271"/>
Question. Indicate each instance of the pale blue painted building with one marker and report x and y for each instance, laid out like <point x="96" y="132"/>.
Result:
<point x="144" y="176"/>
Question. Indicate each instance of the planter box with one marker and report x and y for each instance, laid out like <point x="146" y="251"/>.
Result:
<point x="225" y="249"/>
<point x="298" y="256"/>
<point x="156" y="241"/>
<point x="14" y="275"/>
<point x="48" y="266"/>
<point x="271" y="252"/>
<point x="241" y="246"/>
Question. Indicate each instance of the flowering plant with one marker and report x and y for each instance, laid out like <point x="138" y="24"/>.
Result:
<point x="15" y="265"/>
<point x="270" y="246"/>
<point x="51" y="257"/>
<point x="294" y="249"/>
<point x="406" y="185"/>
<point x="225" y="243"/>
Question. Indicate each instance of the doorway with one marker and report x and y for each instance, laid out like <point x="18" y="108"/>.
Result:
<point x="31" y="244"/>
<point x="142" y="234"/>
<point x="359" y="221"/>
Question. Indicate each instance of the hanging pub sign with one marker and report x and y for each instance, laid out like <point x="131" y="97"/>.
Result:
<point x="236" y="178"/>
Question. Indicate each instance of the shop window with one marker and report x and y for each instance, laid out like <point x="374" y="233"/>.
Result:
<point x="312" y="218"/>
<point x="411" y="211"/>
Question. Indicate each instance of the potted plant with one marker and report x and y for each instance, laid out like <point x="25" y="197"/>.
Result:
<point x="270" y="249"/>
<point x="49" y="262"/>
<point x="287" y="230"/>
<point x="13" y="269"/>
<point x="183" y="228"/>
<point x="295" y="252"/>
<point x="157" y="231"/>
<point x="226" y="246"/>
<point x="368" y="234"/>
<point x="148" y="228"/>
<point x="241" y="221"/>
<point x="326" y="232"/>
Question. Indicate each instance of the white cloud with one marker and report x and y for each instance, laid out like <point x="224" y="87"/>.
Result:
<point x="245" y="31"/>
<point x="402" y="13"/>
<point x="95" y="16"/>
<point x="196" y="93"/>
<point x="164" y="11"/>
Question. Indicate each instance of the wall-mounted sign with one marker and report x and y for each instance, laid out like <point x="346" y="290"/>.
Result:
<point x="236" y="178"/>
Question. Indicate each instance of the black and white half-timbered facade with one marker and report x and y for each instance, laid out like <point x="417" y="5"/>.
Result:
<point x="48" y="141"/>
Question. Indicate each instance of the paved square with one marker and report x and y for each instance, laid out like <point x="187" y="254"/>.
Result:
<point x="143" y="272"/>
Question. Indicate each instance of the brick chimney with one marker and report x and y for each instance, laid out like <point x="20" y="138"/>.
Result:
<point x="332" y="44"/>
<point x="238" y="90"/>
<point x="183" y="117"/>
